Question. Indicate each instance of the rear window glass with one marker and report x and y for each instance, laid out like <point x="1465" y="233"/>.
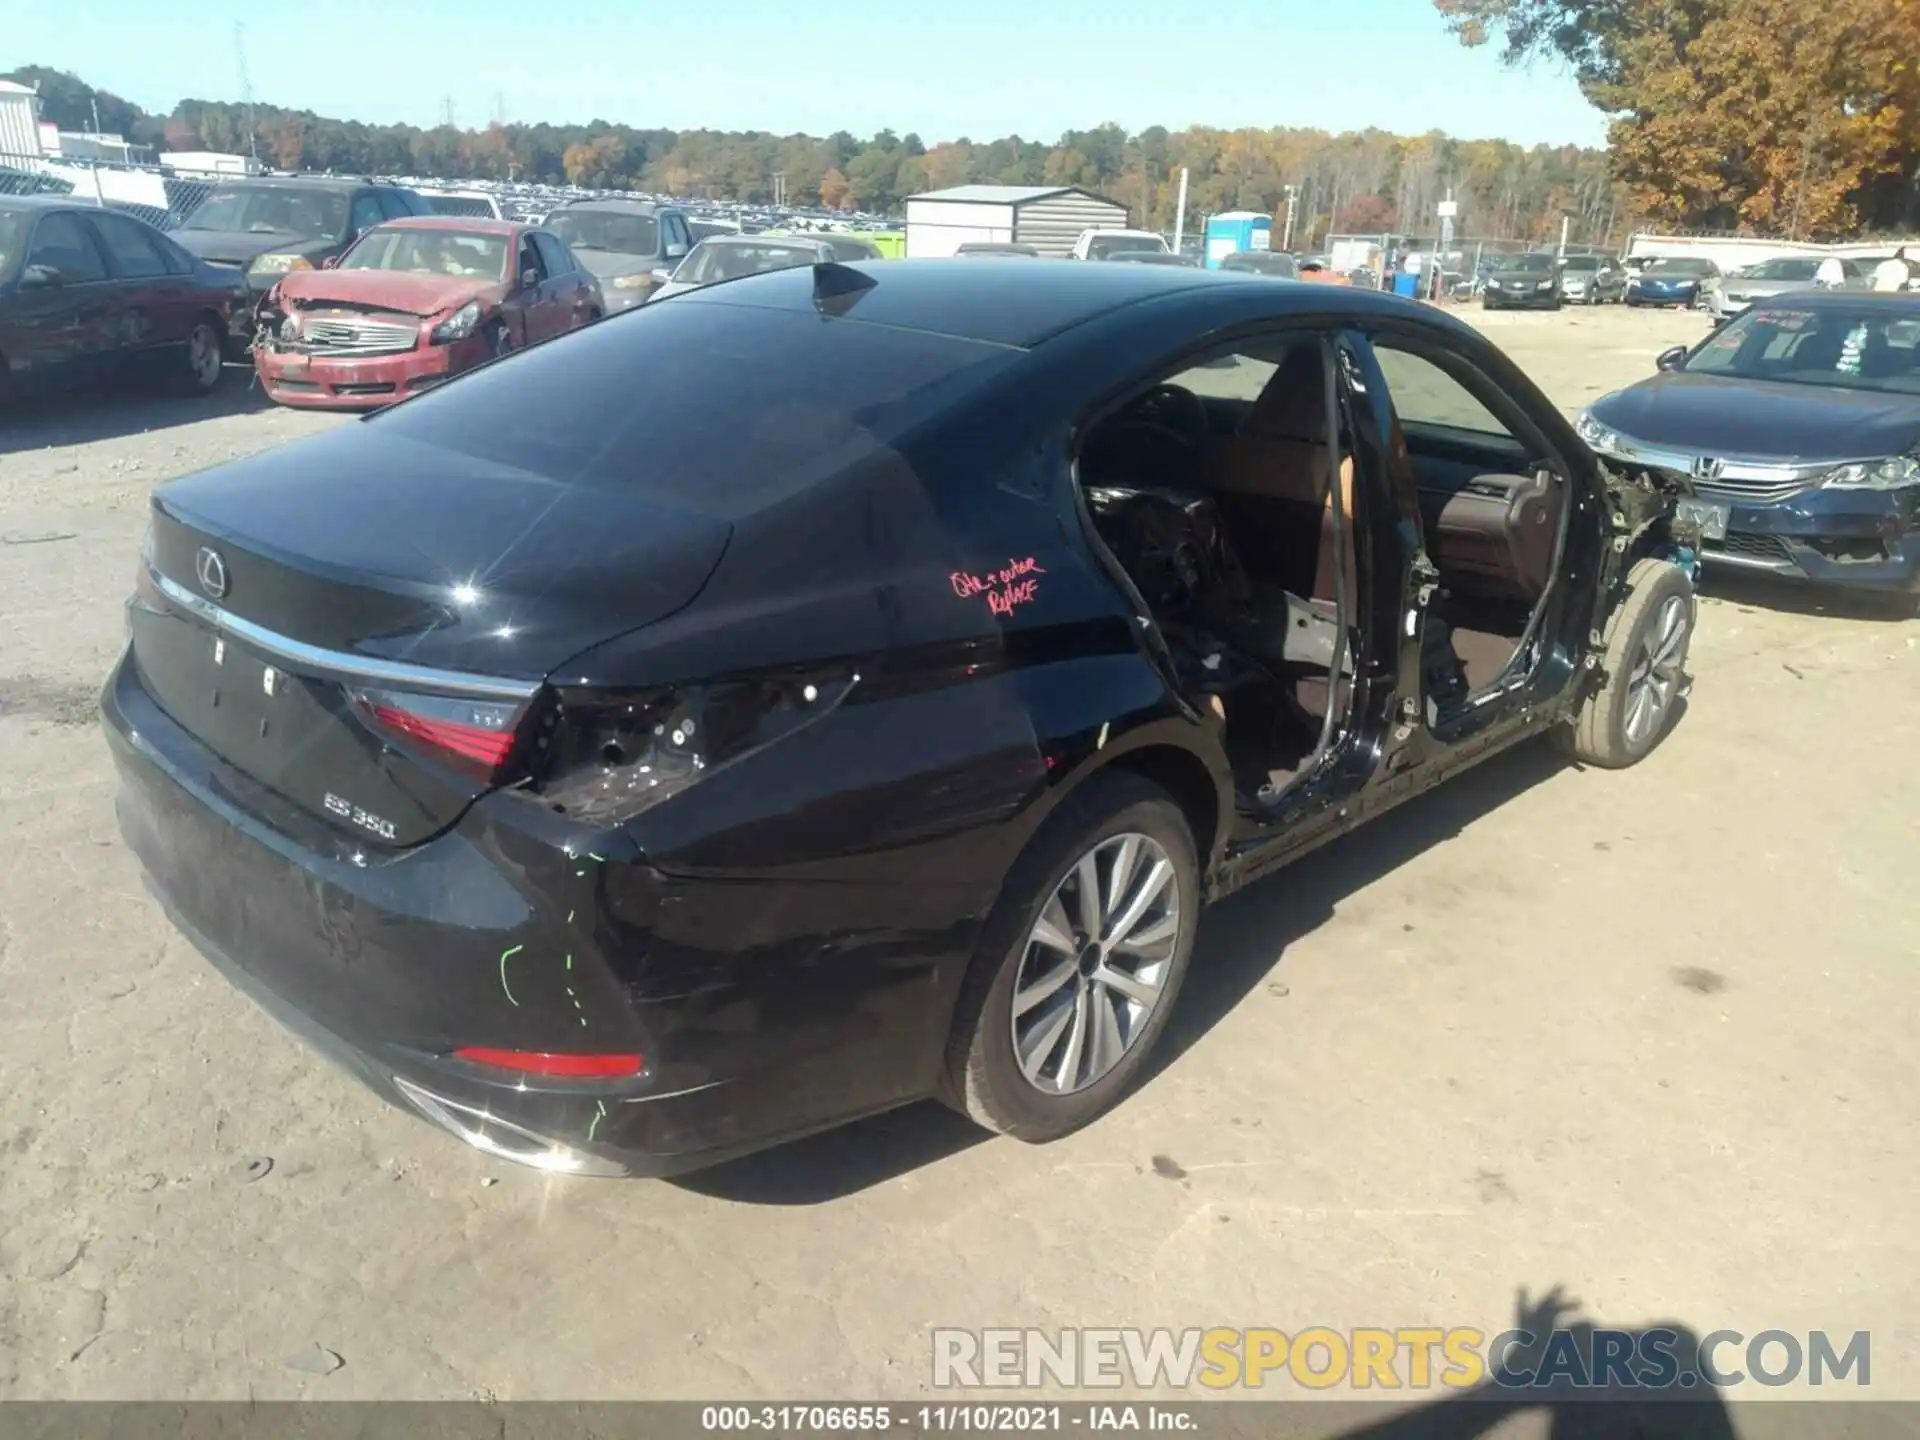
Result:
<point x="618" y="231"/>
<point x="713" y="408"/>
<point x="1102" y="246"/>
<point x="731" y="260"/>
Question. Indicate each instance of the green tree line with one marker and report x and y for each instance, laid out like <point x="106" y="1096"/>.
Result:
<point x="1366" y="181"/>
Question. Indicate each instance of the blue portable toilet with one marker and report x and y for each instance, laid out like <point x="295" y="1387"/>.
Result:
<point x="1236" y="230"/>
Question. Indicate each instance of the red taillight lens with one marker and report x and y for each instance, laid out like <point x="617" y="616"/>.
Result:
<point x="476" y="734"/>
<point x="558" y="1066"/>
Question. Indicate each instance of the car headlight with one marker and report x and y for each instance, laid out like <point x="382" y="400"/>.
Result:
<point x="278" y="262"/>
<point x="632" y="282"/>
<point x="1893" y="474"/>
<point x="459" y="325"/>
<point x="1609" y="442"/>
<point x="1544" y="285"/>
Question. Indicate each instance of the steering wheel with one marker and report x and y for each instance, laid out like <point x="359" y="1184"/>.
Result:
<point x="1176" y="410"/>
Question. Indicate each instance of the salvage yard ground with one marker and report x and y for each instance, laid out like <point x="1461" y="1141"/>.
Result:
<point x="1648" y="1036"/>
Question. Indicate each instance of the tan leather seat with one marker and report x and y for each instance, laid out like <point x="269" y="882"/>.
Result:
<point x="1281" y="453"/>
<point x="1272" y="478"/>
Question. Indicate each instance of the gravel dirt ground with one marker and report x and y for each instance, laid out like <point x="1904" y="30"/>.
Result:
<point x="1647" y="1036"/>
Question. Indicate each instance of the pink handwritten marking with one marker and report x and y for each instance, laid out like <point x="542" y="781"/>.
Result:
<point x="1004" y="588"/>
<point x="1002" y="601"/>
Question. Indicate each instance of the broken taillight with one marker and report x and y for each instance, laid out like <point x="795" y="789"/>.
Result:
<point x="614" y="755"/>
<point x="476" y="736"/>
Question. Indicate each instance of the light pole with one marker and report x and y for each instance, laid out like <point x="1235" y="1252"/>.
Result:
<point x="1286" y="231"/>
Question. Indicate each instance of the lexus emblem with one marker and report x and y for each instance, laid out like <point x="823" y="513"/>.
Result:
<point x="212" y="571"/>
<point x="1706" y="467"/>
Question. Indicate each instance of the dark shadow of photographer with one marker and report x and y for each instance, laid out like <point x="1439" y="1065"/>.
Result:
<point x="1574" y="1381"/>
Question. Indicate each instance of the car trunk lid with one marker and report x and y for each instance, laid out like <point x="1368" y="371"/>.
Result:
<point x="382" y="676"/>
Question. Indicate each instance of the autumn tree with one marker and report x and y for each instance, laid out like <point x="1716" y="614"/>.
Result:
<point x="835" y="192"/>
<point x="1786" y="116"/>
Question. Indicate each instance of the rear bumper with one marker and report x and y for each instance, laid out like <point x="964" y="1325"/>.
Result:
<point x="293" y="377"/>
<point x="492" y="934"/>
<point x="1862" y="539"/>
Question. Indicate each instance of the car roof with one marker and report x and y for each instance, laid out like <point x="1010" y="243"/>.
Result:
<point x="728" y="238"/>
<point x="302" y="182"/>
<point x="1023" y="302"/>
<point x="1845" y="300"/>
<point x="44" y="202"/>
<point x="615" y="204"/>
<point x="472" y="224"/>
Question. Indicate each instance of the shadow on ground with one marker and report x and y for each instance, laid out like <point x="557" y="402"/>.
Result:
<point x="1245" y="936"/>
<point x="1564" y="1379"/>
<point x="55" y="421"/>
<point x="1767" y="592"/>
<point x="1239" y="943"/>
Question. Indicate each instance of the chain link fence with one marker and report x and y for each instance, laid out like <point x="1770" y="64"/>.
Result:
<point x="154" y="193"/>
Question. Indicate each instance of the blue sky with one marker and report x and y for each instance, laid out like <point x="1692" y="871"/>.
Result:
<point x="943" y="68"/>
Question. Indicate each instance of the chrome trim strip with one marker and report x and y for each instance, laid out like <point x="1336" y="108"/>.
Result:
<point x="1783" y="481"/>
<point x="1733" y="559"/>
<point x="338" y="663"/>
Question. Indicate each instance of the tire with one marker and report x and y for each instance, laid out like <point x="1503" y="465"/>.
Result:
<point x="1645" y="664"/>
<point x="201" y="358"/>
<point x="984" y="1078"/>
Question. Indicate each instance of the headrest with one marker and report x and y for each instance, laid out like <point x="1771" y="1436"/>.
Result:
<point x="1293" y="405"/>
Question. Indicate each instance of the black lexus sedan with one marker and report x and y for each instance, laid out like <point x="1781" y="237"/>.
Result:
<point x="1799" y="423"/>
<point x="90" y="297"/>
<point x="627" y="775"/>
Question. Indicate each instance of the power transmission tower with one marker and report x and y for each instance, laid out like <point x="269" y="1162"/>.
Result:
<point x="446" y="111"/>
<point x="246" y="85"/>
<point x="500" y="107"/>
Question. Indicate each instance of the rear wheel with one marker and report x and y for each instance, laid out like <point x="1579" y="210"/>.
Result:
<point x="202" y="358"/>
<point x="1080" y="964"/>
<point x="1646" y="657"/>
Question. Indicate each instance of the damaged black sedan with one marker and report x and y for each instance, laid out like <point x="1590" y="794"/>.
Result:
<point x="864" y="711"/>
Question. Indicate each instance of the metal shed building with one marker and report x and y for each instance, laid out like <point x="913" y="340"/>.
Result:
<point x="1047" y="217"/>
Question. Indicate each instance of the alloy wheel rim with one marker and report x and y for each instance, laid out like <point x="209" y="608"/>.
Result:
<point x="1095" y="964"/>
<point x="203" y="354"/>
<point x="1656" y="674"/>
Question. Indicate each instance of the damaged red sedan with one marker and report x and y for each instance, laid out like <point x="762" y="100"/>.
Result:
<point x="413" y="303"/>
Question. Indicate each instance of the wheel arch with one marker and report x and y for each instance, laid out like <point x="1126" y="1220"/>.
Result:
<point x="1185" y="776"/>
